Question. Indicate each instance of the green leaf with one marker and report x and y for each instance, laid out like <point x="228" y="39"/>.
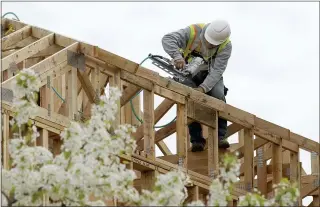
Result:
<point x="36" y="196"/>
<point x="67" y="154"/>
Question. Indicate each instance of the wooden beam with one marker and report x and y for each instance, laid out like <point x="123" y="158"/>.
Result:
<point x="248" y="159"/>
<point x="201" y="113"/>
<point x="276" y="163"/>
<point x="47" y="63"/>
<point x="147" y="84"/>
<point x="86" y="85"/>
<point x="159" y="112"/>
<point x="213" y="149"/>
<point x="181" y="125"/>
<point x="128" y="93"/>
<point x="6" y="140"/>
<point x="164" y="148"/>
<point x="233" y="128"/>
<point x="28" y="51"/>
<point x="262" y="171"/>
<point x="15" y="37"/>
<point x="55" y="121"/>
<point x="148" y="119"/>
<point x="115" y="81"/>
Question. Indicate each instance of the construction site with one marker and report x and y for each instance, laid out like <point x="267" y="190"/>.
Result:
<point x="74" y="74"/>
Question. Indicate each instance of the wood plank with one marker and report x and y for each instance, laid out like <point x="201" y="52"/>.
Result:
<point x="181" y="125"/>
<point x="115" y="81"/>
<point x="128" y="93"/>
<point x="55" y="120"/>
<point x="304" y="143"/>
<point x="47" y="63"/>
<point x="28" y="51"/>
<point x="16" y="24"/>
<point x="57" y="71"/>
<point x="148" y="119"/>
<point x="6" y="140"/>
<point x="87" y="85"/>
<point x="248" y="159"/>
<point x="164" y="148"/>
<point x="15" y="37"/>
<point x="276" y="163"/>
<point x="233" y="128"/>
<point x="165" y="93"/>
<point x="262" y="171"/>
<point x="201" y="113"/>
<point x="159" y="112"/>
<point x="213" y="149"/>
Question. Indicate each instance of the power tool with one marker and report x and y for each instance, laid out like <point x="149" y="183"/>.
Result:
<point x="181" y="76"/>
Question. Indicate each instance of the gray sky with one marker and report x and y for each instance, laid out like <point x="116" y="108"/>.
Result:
<point x="274" y="68"/>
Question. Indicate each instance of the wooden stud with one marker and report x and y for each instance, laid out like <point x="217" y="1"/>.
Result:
<point x="181" y="125"/>
<point x="213" y="149"/>
<point x="248" y="159"/>
<point x="262" y="170"/>
<point x="15" y="37"/>
<point x="115" y="82"/>
<point x="26" y="52"/>
<point x="148" y="119"/>
<point x="148" y="179"/>
<point x="315" y="171"/>
<point x="276" y="163"/>
<point x="6" y="140"/>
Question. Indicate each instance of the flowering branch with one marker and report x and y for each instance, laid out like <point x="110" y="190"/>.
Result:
<point x="89" y="163"/>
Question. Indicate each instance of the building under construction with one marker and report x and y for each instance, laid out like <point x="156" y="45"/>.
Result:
<point x="74" y="73"/>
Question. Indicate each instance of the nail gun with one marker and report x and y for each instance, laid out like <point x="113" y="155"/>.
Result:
<point x="183" y="77"/>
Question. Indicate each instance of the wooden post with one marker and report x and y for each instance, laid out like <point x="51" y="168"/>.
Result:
<point x="241" y="143"/>
<point x="248" y="159"/>
<point x="181" y="125"/>
<point x="193" y="194"/>
<point x="148" y="179"/>
<point x="262" y="171"/>
<point x="43" y="141"/>
<point x="213" y="149"/>
<point x="299" y="182"/>
<point x="315" y="171"/>
<point x="148" y="123"/>
<point x="277" y="162"/>
<point x="115" y="81"/>
<point x="72" y="96"/>
<point x="6" y="139"/>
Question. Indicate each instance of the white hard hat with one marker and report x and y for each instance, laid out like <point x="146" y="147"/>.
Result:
<point x="217" y="32"/>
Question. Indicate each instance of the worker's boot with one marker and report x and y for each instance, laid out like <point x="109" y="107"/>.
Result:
<point x="198" y="146"/>
<point x="223" y="143"/>
<point x="196" y="138"/>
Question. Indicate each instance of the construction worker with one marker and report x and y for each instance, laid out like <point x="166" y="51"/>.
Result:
<point x="203" y="50"/>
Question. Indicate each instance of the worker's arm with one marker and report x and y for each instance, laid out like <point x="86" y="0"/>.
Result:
<point x="217" y="69"/>
<point x="174" y="41"/>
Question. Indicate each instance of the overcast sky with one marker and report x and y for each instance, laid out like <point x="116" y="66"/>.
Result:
<point x="274" y="68"/>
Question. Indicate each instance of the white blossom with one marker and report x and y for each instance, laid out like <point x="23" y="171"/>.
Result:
<point x="89" y="163"/>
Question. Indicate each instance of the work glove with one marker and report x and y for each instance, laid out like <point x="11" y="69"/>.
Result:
<point x="199" y="89"/>
<point x="179" y="63"/>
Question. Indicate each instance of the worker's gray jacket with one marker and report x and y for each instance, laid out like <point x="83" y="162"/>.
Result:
<point x="173" y="41"/>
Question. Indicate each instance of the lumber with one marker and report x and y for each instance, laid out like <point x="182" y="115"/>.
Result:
<point x="47" y="53"/>
<point x="26" y="52"/>
<point x="15" y="37"/>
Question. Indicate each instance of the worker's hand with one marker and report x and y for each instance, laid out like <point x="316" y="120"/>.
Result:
<point x="199" y="89"/>
<point x="179" y="63"/>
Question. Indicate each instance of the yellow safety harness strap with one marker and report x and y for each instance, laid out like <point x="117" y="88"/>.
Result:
<point x="193" y="34"/>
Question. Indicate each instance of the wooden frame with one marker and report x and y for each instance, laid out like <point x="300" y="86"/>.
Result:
<point x="62" y="102"/>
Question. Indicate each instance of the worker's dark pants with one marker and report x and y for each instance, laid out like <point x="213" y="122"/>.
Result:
<point x="218" y="91"/>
